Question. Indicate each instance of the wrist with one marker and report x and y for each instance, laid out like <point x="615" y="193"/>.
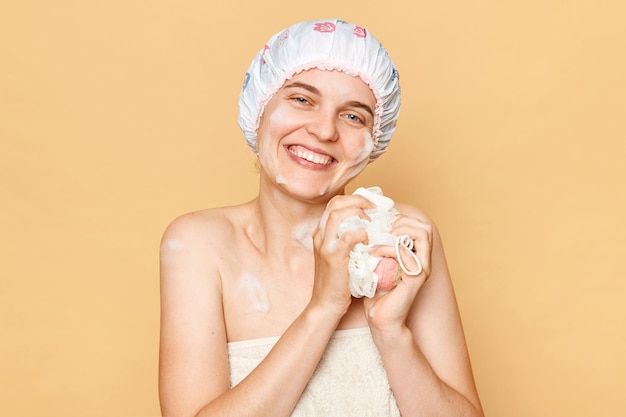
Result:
<point x="318" y="315"/>
<point x="392" y="336"/>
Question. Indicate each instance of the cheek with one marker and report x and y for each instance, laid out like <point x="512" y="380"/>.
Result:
<point x="278" y="117"/>
<point x="368" y="145"/>
<point x="270" y="131"/>
<point x="361" y="153"/>
<point x="274" y="124"/>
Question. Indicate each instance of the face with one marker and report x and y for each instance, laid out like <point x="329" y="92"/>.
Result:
<point x="316" y="133"/>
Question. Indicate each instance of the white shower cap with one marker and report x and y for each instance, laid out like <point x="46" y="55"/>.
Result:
<point x="327" y="45"/>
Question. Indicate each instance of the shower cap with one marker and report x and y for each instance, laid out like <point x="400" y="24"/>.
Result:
<point x="327" y="45"/>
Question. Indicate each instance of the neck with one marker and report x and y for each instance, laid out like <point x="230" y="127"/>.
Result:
<point x="284" y="220"/>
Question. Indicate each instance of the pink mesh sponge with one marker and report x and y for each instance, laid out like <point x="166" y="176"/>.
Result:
<point x="388" y="274"/>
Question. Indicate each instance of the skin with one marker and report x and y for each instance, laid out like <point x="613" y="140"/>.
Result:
<point x="416" y="326"/>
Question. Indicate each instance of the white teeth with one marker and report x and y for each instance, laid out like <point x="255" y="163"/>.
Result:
<point x="311" y="157"/>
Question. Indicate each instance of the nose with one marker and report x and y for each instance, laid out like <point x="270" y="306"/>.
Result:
<point x="323" y="125"/>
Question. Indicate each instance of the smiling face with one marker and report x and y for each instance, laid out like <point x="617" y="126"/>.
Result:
<point x="316" y="133"/>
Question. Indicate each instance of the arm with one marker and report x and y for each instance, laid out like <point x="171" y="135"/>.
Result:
<point x="194" y="373"/>
<point x="418" y="331"/>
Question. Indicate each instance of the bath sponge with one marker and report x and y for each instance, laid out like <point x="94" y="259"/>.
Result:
<point x="370" y="273"/>
<point x="388" y="274"/>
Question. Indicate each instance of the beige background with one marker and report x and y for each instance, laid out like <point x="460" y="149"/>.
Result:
<point x="117" y="116"/>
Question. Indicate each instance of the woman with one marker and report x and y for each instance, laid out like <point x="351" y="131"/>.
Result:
<point x="257" y="314"/>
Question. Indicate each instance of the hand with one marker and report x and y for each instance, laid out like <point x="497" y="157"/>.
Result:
<point x="332" y="253"/>
<point x="388" y="310"/>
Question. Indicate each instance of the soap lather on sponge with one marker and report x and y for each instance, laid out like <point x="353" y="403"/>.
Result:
<point x="370" y="273"/>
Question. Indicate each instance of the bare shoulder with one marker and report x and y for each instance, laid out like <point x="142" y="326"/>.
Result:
<point x="201" y="232"/>
<point x="194" y="245"/>
<point x="197" y="226"/>
<point x="412" y="211"/>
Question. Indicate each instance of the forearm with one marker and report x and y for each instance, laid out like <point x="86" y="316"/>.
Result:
<point x="274" y="387"/>
<point x="417" y="388"/>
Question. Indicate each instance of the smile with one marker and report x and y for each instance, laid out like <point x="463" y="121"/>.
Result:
<point x="310" y="156"/>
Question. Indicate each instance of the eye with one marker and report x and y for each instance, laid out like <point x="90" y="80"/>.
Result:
<point x="300" y="100"/>
<point x="354" y="117"/>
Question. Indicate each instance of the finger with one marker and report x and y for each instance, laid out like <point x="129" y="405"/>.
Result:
<point x="330" y="243"/>
<point x="422" y="234"/>
<point x="414" y="227"/>
<point x="413" y="256"/>
<point x="339" y="209"/>
<point x="408" y="260"/>
<point x="342" y="201"/>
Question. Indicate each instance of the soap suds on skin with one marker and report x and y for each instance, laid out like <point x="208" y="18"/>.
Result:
<point x="173" y="244"/>
<point x="277" y="195"/>
<point x="277" y="117"/>
<point x="303" y="233"/>
<point x="170" y="249"/>
<point x="361" y="161"/>
<point x="253" y="292"/>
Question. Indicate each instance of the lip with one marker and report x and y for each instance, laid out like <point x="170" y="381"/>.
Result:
<point x="310" y="157"/>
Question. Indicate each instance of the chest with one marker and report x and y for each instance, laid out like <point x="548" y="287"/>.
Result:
<point x="262" y="297"/>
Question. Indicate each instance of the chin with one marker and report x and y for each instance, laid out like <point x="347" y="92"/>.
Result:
<point x="313" y="194"/>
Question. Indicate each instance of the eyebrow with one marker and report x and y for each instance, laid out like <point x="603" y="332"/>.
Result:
<point x="314" y="90"/>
